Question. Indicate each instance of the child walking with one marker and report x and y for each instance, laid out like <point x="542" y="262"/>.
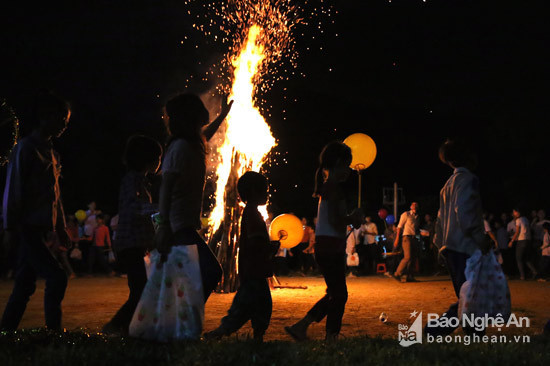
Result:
<point x="253" y="298"/>
<point x="135" y="230"/>
<point x="184" y="271"/>
<point x="330" y="241"/>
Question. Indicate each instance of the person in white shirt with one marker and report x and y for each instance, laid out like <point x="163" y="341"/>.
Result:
<point x="367" y="248"/>
<point x="409" y="228"/>
<point x="522" y="237"/>
<point x="459" y="228"/>
<point x="352" y="242"/>
<point x="511" y="228"/>
<point x="330" y="241"/>
<point x="369" y="231"/>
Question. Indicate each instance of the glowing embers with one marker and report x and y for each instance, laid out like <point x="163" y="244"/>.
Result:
<point x="248" y="138"/>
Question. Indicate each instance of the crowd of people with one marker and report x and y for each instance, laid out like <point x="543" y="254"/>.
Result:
<point x="380" y="250"/>
<point x="517" y="241"/>
<point x="91" y="250"/>
<point x="166" y="299"/>
<point x="88" y="253"/>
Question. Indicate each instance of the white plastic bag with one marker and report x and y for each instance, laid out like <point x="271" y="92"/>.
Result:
<point x="485" y="291"/>
<point x="76" y="254"/>
<point x="111" y="256"/>
<point x="353" y="260"/>
<point x="172" y="304"/>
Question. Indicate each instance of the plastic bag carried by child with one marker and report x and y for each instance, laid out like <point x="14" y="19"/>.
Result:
<point x="351" y="241"/>
<point x="353" y="260"/>
<point x="172" y="304"/>
<point x="485" y="291"/>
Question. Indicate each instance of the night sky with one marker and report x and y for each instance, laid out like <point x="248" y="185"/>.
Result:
<point x="408" y="73"/>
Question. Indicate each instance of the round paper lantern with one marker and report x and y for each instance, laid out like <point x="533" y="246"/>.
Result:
<point x="382" y="213"/>
<point x="363" y="150"/>
<point x="80" y="215"/>
<point x="288" y="228"/>
<point x="390" y="219"/>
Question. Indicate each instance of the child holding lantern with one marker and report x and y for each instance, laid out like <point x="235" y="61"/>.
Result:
<point x="253" y="298"/>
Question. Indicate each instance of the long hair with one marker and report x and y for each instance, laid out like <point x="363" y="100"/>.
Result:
<point x="187" y="114"/>
<point x="333" y="153"/>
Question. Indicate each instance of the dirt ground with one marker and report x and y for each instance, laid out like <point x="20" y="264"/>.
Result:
<point x="91" y="302"/>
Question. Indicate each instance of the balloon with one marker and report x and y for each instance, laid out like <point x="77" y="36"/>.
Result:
<point x="382" y="213"/>
<point x="80" y="215"/>
<point x="290" y="229"/>
<point x="363" y="150"/>
<point x="390" y="219"/>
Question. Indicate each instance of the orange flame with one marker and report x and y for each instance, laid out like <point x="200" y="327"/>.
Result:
<point x="247" y="137"/>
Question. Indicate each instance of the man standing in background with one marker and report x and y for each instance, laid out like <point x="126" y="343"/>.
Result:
<point x="524" y="250"/>
<point x="409" y="228"/>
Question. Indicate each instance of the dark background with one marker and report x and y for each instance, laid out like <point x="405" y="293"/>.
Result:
<point x="408" y="73"/>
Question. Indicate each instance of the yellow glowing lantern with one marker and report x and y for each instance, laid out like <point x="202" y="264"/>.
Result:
<point x="363" y="150"/>
<point x="80" y="215"/>
<point x="363" y="153"/>
<point x="288" y="229"/>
